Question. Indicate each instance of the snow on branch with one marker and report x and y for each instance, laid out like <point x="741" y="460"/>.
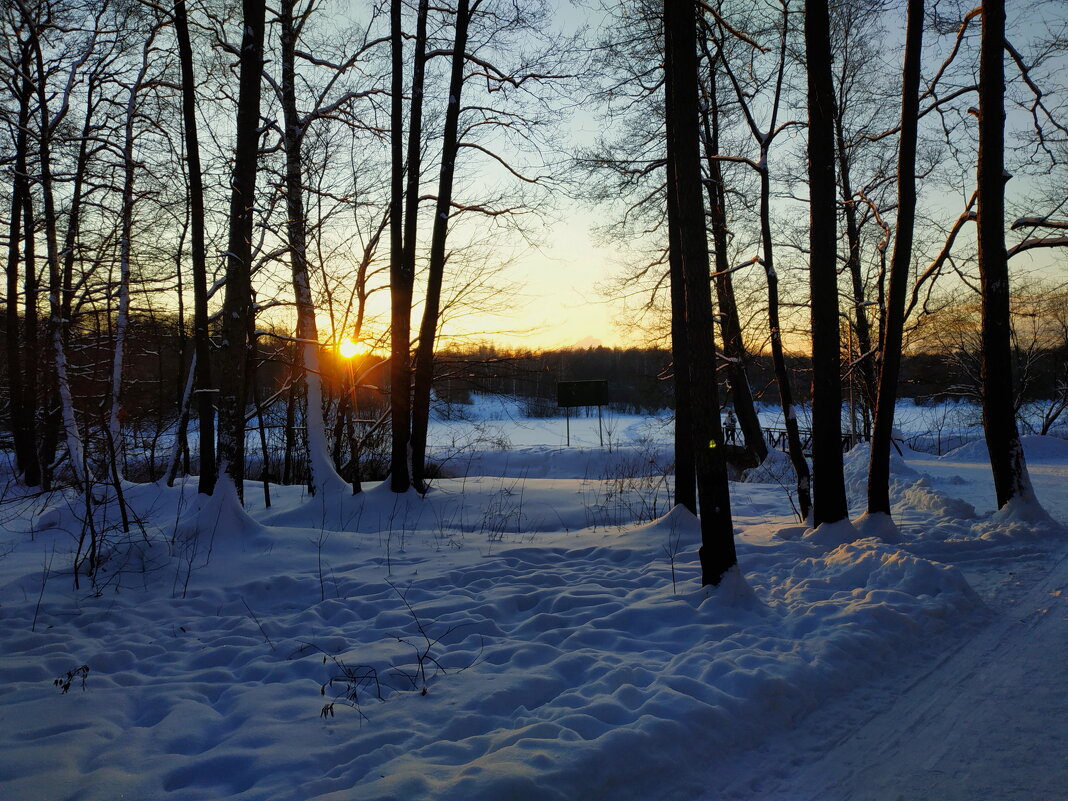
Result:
<point x="1038" y="242"/>
<point x="737" y="267"/>
<point x="1038" y="222"/>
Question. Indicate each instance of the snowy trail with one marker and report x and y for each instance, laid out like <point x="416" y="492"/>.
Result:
<point x="968" y="729"/>
<point x="986" y="722"/>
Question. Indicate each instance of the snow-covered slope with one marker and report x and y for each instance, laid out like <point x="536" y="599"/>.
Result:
<point x="533" y="630"/>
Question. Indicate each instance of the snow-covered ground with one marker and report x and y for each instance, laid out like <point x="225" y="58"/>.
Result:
<point x="533" y="628"/>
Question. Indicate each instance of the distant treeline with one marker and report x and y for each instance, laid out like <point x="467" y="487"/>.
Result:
<point x="638" y="378"/>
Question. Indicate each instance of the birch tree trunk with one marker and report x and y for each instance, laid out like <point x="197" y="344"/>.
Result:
<point x="323" y="476"/>
<point x="75" y="448"/>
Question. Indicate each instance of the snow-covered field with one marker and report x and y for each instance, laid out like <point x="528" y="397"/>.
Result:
<point x="533" y="628"/>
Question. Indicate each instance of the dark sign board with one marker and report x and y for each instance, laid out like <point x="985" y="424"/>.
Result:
<point x="581" y="393"/>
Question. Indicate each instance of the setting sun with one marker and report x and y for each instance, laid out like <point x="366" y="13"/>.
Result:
<point x="348" y="349"/>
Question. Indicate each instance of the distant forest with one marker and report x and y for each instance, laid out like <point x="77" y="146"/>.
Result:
<point x="639" y="379"/>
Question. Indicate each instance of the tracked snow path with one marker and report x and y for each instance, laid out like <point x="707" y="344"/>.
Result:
<point x="988" y="721"/>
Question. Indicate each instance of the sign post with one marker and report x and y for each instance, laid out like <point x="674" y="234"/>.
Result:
<point x="571" y="394"/>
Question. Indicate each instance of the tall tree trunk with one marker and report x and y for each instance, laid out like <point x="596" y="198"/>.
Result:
<point x="829" y="503"/>
<point x="685" y="458"/>
<point x="424" y="360"/>
<point x="900" y="262"/>
<point x="401" y="279"/>
<point x="125" y="247"/>
<point x="1011" y="479"/>
<point x="185" y="400"/>
<point x="866" y="360"/>
<point x="685" y="464"/>
<point x="290" y="424"/>
<point x="75" y="448"/>
<point x="717" y="553"/>
<point x="323" y="476"/>
<point x="53" y="421"/>
<point x="237" y="305"/>
<point x="786" y="398"/>
<point x="22" y="405"/>
<point x="730" y="326"/>
<point x="782" y="375"/>
<point x="411" y="223"/>
<point x="198" y="255"/>
<point x="33" y="373"/>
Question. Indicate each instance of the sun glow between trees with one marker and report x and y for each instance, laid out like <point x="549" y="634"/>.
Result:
<point x="349" y="349"/>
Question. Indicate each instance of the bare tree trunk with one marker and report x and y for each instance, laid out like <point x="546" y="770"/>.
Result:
<point x="75" y="449"/>
<point x="866" y="360"/>
<point x="201" y="340"/>
<point x="237" y="305"/>
<point x="900" y="262"/>
<point x="323" y="476"/>
<point x="22" y="405"/>
<point x="717" y="553"/>
<point x="1011" y="479"/>
<point x="125" y="245"/>
<point x="829" y="503"/>
<point x="424" y="360"/>
<point x="782" y="375"/>
<point x="685" y="465"/>
<point x="730" y="326"/>
<point x="401" y="279"/>
<point x="290" y="432"/>
<point x="180" y="444"/>
<point x="53" y="417"/>
<point x="254" y="390"/>
<point x="33" y="374"/>
<point x="685" y="457"/>
<point x="411" y="222"/>
<point x="786" y="399"/>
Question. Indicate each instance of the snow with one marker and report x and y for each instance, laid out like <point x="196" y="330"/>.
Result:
<point x="534" y="628"/>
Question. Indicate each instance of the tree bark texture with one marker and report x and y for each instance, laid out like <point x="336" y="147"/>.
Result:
<point x="717" y="553"/>
<point x="900" y="262"/>
<point x="323" y="475"/>
<point x="995" y="362"/>
<point x="450" y="145"/>
<point x="685" y="467"/>
<point x="401" y="279"/>
<point x="237" y="304"/>
<point x="75" y="447"/>
<point x="866" y="360"/>
<point x="829" y="498"/>
<point x="730" y="326"/>
<point x="22" y="406"/>
<point x="198" y="257"/>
